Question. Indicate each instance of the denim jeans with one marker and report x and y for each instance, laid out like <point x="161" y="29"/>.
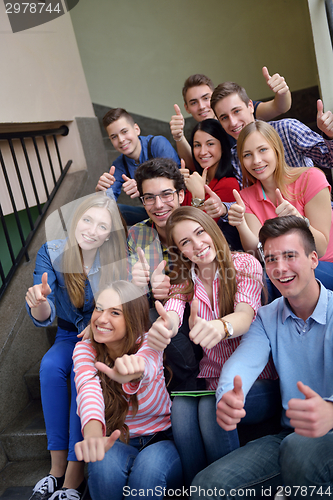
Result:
<point x="267" y="464"/>
<point x="132" y="214"/>
<point x="56" y="367"/>
<point x="125" y="470"/>
<point x="198" y="437"/>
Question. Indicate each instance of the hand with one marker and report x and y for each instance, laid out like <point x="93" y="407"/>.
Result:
<point x="202" y="331"/>
<point x="37" y="294"/>
<point x="130" y="187"/>
<point x="160" y="282"/>
<point x="177" y="123"/>
<point x="213" y="206"/>
<point x="94" y="448"/>
<point x="126" y="368"/>
<point x="161" y="332"/>
<point x="184" y="171"/>
<point x="106" y="180"/>
<point x="140" y="270"/>
<point x="324" y="120"/>
<point x="85" y="334"/>
<point x="276" y="82"/>
<point x="237" y="210"/>
<point x="230" y="408"/>
<point x="195" y="183"/>
<point x="284" y="207"/>
<point x="312" y="416"/>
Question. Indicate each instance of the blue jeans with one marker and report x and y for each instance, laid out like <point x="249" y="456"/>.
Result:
<point x="200" y="440"/>
<point x="132" y="214"/>
<point x="267" y="464"/>
<point x="125" y="470"/>
<point x="56" y="367"/>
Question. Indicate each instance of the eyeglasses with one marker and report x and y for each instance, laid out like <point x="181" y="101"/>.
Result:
<point x="150" y="199"/>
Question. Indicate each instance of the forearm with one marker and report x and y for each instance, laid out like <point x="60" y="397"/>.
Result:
<point x="93" y="428"/>
<point x="320" y="240"/>
<point x="42" y="312"/>
<point x="184" y="152"/>
<point x="174" y="321"/>
<point x="248" y="239"/>
<point x="271" y="109"/>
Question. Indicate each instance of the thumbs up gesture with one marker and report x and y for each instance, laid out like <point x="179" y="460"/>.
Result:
<point x="164" y="328"/>
<point x="324" y="120"/>
<point x="202" y="331"/>
<point x="106" y="180"/>
<point x="284" y="207"/>
<point x="140" y="270"/>
<point x="126" y="368"/>
<point x="130" y="187"/>
<point x="230" y="408"/>
<point x="214" y="206"/>
<point x="160" y="282"/>
<point x="276" y="82"/>
<point x="37" y="294"/>
<point x="237" y="210"/>
<point x="312" y="416"/>
<point x="177" y="123"/>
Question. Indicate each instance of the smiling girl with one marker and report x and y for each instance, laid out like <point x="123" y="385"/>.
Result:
<point x="66" y="271"/>
<point x="275" y="190"/>
<point x="120" y="385"/>
<point x="224" y="291"/>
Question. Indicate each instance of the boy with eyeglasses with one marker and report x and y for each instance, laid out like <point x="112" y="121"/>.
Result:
<point x="135" y="149"/>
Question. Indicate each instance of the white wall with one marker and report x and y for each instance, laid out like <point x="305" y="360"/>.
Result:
<point x="138" y="54"/>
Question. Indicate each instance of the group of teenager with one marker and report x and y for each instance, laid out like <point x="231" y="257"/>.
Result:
<point x="168" y="297"/>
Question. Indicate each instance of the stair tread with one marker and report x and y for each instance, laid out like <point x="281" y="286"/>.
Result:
<point x="18" y="478"/>
<point x="29" y="421"/>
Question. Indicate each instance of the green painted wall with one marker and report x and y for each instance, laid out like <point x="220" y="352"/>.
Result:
<point x="137" y="54"/>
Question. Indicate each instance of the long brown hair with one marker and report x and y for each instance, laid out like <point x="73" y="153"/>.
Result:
<point x="113" y="253"/>
<point x="283" y="174"/>
<point x="136" y="315"/>
<point x="181" y="266"/>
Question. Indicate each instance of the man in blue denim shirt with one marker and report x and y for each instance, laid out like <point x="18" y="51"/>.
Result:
<point x="296" y="329"/>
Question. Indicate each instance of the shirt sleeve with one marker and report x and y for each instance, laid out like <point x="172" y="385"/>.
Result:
<point x="161" y="148"/>
<point x="44" y="264"/>
<point x="177" y="303"/>
<point x="119" y="171"/>
<point x="315" y="181"/>
<point x="89" y="400"/>
<point x="249" y="280"/>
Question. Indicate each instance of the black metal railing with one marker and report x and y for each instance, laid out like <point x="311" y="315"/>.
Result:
<point x="26" y="158"/>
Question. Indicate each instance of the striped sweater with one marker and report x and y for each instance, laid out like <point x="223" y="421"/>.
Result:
<point x="154" y="403"/>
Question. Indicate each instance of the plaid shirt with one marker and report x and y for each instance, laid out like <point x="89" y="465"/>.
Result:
<point x="144" y="235"/>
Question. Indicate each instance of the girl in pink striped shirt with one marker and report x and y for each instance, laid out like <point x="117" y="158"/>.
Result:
<point x="121" y="392"/>
<point x="224" y="290"/>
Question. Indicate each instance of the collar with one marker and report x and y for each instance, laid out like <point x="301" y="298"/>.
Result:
<point x="195" y="277"/>
<point x="320" y="312"/>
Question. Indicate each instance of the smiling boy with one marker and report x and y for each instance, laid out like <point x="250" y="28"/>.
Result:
<point x="134" y="149"/>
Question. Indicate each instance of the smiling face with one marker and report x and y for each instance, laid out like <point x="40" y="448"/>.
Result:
<point x="289" y="268"/>
<point x="206" y="149"/>
<point x="107" y="321"/>
<point x="234" y="114"/>
<point x="194" y="243"/>
<point x="198" y="102"/>
<point x="125" y="137"/>
<point x="258" y="157"/>
<point x="93" y="228"/>
<point x="160" y="211"/>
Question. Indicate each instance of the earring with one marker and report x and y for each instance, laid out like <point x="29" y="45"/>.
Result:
<point x="107" y="239"/>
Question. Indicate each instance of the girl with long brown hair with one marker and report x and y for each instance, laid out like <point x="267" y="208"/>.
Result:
<point x="224" y="291"/>
<point x="121" y="387"/>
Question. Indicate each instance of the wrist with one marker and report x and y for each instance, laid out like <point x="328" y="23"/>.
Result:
<point x="178" y="138"/>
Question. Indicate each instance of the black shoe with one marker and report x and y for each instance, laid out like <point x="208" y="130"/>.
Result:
<point x="71" y="493"/>
<point x="45" y="488"/>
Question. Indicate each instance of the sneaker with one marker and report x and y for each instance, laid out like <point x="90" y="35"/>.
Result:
<point x="68" y="494"/>
<point x="45" y="488"/>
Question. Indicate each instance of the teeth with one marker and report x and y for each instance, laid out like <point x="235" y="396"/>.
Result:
<point x="101" y="329"/>
<point x="285" y="280"/>
<point x="203" y="252"/>
<point x="87" y="238"/>
<point x="238" y="129"/>
<point x="160" y="214"/>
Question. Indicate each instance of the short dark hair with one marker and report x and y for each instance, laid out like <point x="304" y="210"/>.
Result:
<point x="159" y="167"/>
<point x="114" y="114"/>
<point x="224" y="90"/>
<point x="279" y="226"/>
<point x="215" y="129"/>
<point x="195" y="81"/>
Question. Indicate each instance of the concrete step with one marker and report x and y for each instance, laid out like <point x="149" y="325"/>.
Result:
<point x="18" y="478"/>
<point x="25" y="437"/>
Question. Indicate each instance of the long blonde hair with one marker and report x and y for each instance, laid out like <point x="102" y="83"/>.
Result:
<point x="136" y="315"/>
<point x="181" y="266"/>
<point x="113" y="253"/>
<point x="283" y="174"/>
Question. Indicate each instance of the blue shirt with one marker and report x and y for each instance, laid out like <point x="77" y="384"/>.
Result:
<point x="301" y="350"/>
<point x="49" y="260"/>
<point x="160" y="148"/>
